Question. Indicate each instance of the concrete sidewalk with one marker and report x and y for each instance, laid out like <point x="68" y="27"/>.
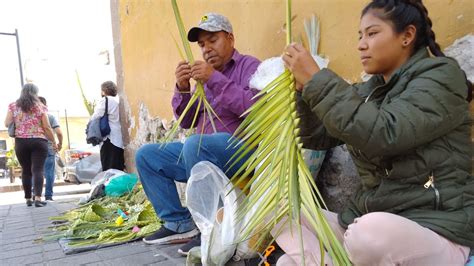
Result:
<point x="7" y="186"/>
<point x="21" y="225"/>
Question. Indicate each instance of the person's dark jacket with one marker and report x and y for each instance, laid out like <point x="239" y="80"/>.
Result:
<point x="93" y="133"/>
<point x="409" y="139"/>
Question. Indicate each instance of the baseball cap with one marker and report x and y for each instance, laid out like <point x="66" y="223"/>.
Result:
<point x="211" y="22"/>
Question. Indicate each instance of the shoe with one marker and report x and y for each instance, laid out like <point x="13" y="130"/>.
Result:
<point x="194" y="242"/>
<point x="29" y="202"/>
<point x="49" y="199"/>
<point x="165" y="236"/>
<point x="39" y="203"/>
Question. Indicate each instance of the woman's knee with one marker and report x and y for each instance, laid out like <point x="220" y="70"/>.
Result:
<point x="285" y="260"/>
<point x="366" y="239"/>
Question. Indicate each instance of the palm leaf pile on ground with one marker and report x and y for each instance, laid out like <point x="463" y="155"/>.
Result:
<point x="96" y="222"/>
<point x="198" y="99"/>
<point x="281" y="183"/>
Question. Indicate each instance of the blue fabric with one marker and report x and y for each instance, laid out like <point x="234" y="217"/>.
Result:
<point x="49" y="174"/>
<point x="104" y="120"/>
<point x="470" y="261"/>
<point x="159" y="168"/>
<point x="93" y="133"/>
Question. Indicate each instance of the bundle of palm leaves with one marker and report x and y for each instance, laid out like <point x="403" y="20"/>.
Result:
<point x="282" y="187"/>
<point x="198" y="99"/>
<point x="96" y="222"/>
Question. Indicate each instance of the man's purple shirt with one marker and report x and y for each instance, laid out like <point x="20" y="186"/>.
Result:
<point x="228" y="93"/>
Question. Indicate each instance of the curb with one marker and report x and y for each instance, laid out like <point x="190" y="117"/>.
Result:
<point x="19" y="187"/>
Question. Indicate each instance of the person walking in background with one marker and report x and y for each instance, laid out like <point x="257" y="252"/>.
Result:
<point x="111" y="150"/>
<point x="49" y="165"/>
<point x="32" y="129"/>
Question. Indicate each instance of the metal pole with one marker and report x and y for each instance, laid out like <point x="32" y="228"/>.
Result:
<point x="67" y="130"/>
<point x="19" y="56"/>
<point x="18" y="52"/>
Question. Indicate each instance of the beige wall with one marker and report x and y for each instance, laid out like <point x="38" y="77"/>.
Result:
<point x="149" y="55"/>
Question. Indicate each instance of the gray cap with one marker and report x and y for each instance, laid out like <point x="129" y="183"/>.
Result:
<point x="211" y="22"/>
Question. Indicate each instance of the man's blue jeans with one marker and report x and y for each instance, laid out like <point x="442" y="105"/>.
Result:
<point x="49" y="174"/>
<point x="159" y="167"/>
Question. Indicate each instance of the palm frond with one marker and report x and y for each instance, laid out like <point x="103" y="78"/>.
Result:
<point x="281" y="185"/>
<point x="312" y="30"/>
<point x="199" y="96"/>
<point x="90" y="105"/>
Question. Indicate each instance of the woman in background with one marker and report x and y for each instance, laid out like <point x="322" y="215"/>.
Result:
<point x="32" y="131"/>
<point x="111" y="151"/>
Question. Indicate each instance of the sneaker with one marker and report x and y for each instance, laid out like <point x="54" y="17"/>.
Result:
<point x="49" y="199"/>
<point x="165" y="236"/>
<point x="194" y="242"/>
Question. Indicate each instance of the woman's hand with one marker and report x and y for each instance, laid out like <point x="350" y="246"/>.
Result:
<point x="300" y="62"/>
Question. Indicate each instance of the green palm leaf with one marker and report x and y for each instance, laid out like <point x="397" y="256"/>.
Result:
<point x="95" y="222"/>
<point x="282" y="185"/>
<point x="199" y="96"/>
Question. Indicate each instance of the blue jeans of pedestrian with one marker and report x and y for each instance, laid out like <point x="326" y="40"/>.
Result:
<point x="49" y="167"/>
<point x="159" y="168"/>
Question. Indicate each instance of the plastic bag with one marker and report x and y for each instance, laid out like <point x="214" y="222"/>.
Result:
<point x="313" y="159"/>
<point x="248" y="249"/>
<point x="273" y="67"/>
<point x="213" y="205"/>
<point x="117" y="186"/>
<point x="99" y="181"/>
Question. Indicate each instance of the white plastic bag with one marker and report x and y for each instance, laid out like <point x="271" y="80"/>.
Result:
<point x="208" y="194"/>
<point x="102" y="178"/>
<point x="273" y="67"/>
<point x="247" y="249"/>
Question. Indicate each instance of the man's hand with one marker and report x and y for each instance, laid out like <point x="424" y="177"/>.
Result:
<point x="300" y="62"/>
<point x="201" y="71"/>
<point x="183" y="74"/>
<point x="59" y="146"/>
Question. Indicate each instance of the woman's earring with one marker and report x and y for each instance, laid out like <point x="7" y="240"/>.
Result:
<point x="405" y="43"/>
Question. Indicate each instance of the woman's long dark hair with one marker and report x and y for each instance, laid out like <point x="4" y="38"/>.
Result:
<point x="28" y="98"/>
<point x="403" y="13"/>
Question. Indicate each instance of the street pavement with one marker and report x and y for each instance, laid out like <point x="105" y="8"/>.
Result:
<point x="21" y="226"/>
